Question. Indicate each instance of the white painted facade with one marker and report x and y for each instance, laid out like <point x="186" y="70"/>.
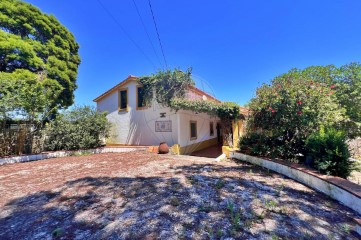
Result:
<point x="138" y="126"/>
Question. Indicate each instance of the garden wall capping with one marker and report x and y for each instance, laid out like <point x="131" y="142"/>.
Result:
<point x="57" y="154"/>
<point x="340" y="189"/>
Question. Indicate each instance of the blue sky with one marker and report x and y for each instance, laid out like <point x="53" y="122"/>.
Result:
<point x="232" y="46"/>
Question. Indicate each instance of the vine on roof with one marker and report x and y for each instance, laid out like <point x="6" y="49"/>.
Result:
<point x="166" y="85"/>
<point x="224" y="110"/>
<point x="170" y="88"/>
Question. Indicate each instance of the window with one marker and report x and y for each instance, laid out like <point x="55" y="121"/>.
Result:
<point x="193" y="128"/>
<point x="211" y="129"/>
<point x="140" y="98"/>
<point x="123" y="100"/>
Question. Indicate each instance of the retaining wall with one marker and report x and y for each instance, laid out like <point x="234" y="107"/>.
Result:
<point x="344" y="191"/>
<point x="46" y="155"/>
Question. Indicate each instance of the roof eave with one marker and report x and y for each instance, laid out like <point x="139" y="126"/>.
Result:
<point x="116" y="87"/>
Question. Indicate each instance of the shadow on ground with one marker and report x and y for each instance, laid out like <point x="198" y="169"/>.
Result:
<point x="210" y="152"/>
<point x="200" y="201"/>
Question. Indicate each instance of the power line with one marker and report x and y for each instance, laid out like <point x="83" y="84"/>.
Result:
<point x="125" y="32"/>
<point x="211" y="89"/>
<point x="156" y="28"/>
<point x="146" y="31"/>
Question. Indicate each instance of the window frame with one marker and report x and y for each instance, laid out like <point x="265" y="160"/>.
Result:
<point x="190" y="129"/>
<point x="137" y="99"/>
<point x="120" y="99"/>
<point x="211" y="129"/>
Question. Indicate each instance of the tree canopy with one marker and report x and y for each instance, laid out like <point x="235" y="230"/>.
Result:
<point x="37" y="43"/>
<point x="332" y="93"/>
<point x="296" y="104"/>
<point x="31" y="97"/>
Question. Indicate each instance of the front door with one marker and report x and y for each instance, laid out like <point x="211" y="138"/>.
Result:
<point x="219" y="137"/>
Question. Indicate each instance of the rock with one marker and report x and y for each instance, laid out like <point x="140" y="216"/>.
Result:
<point x="164" y="234"/>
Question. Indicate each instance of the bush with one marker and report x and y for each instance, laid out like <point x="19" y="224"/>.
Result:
<point x="293" y="106"/>
<point x="80" y="128"/>
<point x="260" y="144"/>
<point x="256" y="144"/>
<point x="330" y="153"/>
<point x="253" y="144"/>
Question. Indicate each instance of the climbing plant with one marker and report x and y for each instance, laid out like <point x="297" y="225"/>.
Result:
<point x="224" y="110"/>
<point x="169" y="89"/>
<point x="165" y="86"/>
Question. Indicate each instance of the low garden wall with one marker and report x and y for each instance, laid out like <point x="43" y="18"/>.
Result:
<point x="46" y="155"/>
<point x="344" y="191"/>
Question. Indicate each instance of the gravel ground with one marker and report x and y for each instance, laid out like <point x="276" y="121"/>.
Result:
<point x="141" y="195"/>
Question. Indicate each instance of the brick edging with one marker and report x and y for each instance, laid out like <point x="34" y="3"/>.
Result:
<point x="342" y="183"/>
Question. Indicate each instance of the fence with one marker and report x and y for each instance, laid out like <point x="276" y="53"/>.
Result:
<point x="355" y="147"/>
<point x="17" y="139"/>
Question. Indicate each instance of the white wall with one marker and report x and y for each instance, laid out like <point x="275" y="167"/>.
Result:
<point x="137" y="127"/>
<point x="203" y="130"/>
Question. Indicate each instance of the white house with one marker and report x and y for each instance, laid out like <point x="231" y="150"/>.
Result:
<point x="134" y="124"/>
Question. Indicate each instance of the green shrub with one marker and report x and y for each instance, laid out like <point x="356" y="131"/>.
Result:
<point x="259" y="144"/>
<point x="329" y="150"/>
<point x="253" y="144"/>
<point x="294" y="105"/>
<point x="80" y="128"/>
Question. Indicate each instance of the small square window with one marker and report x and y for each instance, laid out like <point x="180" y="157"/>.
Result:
<point x="211" y="129"/>
<point x="193" y="129"/>
<point x="123" y="100"/>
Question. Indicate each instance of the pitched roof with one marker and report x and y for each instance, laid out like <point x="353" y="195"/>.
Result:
<point x="244" y="111"/>
<point x="116" y="87"/>
<point x="201" y="93"/>
<point x="134" y="78"/>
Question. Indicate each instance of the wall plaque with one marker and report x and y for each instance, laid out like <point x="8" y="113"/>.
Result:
<point x="163" y="126"/>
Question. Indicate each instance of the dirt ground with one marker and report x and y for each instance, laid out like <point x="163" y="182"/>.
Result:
<point x="355" y="177"/>
<point x="141" y="195"/>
